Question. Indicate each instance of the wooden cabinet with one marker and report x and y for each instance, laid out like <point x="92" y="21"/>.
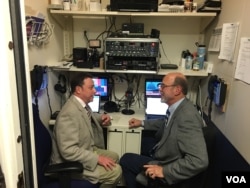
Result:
<point x="132" y="141"/>
<point x="115" y="140"/>
<point x="120" y="138"/>
<point x="123" y="140"/>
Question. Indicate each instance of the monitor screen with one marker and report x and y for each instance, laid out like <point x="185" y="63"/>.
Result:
<point x="155" y="106"/>
<point x="101" y="86"/>
<point x="95" y="104"/>
<point x="152" y="87"/>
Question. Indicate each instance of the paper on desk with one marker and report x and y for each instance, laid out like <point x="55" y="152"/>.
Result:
<point x="62" y="65"/>
<point x="243" y="62"/>
<point x="228" y="41"/>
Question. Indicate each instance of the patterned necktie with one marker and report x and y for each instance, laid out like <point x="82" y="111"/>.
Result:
<point x="88" y="111"/>
<point x="166" y="117"/>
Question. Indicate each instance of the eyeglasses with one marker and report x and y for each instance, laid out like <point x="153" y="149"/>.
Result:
<point x="162" y="85"/>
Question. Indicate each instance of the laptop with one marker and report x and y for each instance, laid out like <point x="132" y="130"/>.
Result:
<point x="155" y="108"/>
<point x="95" y="104"/>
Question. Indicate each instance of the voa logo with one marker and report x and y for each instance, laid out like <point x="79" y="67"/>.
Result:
<point x="236" y="179"/>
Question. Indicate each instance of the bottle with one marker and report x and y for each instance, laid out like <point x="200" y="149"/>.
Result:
<point x="183" y="59"/>
<point x="196" y="64"/>
<point x="188" y="63"/>
<point x="184" y="55"/>
<point x="201" y="52"/>
<point x="188" y="5"/>
<point x="66" y="5"/>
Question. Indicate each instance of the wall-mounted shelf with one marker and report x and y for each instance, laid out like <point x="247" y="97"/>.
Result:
<point x="114" y="13"/>
<point x="205" y="17"/>
<point x="200" y="73"/>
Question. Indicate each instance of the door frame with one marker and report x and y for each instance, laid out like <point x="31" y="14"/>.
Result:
<point x="17" y="155"/>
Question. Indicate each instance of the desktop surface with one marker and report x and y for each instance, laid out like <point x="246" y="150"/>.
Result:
<point x="119" y="120"/>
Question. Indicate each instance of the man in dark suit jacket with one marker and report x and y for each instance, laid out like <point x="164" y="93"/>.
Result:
<point x="78" y="136"/>
<point x="181" y="150"/>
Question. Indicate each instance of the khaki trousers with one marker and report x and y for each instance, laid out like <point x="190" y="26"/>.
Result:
<point x="109" y="179"/>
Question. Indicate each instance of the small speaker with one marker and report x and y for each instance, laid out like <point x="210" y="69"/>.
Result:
<point x="80" y="58"/>
<point x="111" y="106"/>
<point x="155" y="33"/>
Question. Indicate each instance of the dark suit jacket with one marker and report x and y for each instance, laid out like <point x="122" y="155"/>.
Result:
<point x="74" y="137"/>
<point x="182" y="148"/>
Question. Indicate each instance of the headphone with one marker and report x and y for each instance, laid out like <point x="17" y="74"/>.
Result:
<point x="111" y="106"/>
<point x="61" y="84"/>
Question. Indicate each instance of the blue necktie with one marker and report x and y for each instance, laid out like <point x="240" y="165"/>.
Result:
<point x="167" y="117"/>
<point x="152" y="151"/>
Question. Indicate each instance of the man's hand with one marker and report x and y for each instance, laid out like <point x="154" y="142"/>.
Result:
<point x="106" y="162"/>
<point x="106" y="119"/>
<point x="154" y="171"/>
<point x="134" y="123"/>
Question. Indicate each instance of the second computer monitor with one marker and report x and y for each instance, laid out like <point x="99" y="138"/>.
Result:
<point x="102" y="87"/>
<point x="152" y="87"/>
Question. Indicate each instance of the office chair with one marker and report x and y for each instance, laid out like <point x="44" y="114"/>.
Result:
<point x="201" y="180"/>
<point x="56" y="175"/>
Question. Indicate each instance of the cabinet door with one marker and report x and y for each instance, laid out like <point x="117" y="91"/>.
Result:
<point x="133" y="141"/>
<point x="114" y="141"/>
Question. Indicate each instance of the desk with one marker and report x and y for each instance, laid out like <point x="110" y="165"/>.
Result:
<point x="120" y="138"/>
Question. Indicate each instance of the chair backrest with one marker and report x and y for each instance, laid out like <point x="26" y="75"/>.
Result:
<point x="203" y="180"/>
<point x="43" y="145"/>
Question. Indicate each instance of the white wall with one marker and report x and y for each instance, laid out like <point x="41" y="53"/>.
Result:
<point x="47" y="54"/>
<point x="234" y="123"/>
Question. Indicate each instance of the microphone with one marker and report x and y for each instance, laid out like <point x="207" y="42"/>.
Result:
<point x="129" y="99"/>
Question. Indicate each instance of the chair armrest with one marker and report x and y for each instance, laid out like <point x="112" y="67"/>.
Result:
<point x="67" y="167"/>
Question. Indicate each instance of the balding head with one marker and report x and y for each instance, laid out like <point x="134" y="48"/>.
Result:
<point x="179" y="79"/>
<point x="174" y="87"/>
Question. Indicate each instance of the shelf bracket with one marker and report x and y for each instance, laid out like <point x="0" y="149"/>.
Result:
<point x="60" y="20"/>
<point x="205" y="22"/>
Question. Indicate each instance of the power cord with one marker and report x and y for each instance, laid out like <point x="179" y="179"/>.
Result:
<point x="47" y="91"/>
<point x="164" y="52"/>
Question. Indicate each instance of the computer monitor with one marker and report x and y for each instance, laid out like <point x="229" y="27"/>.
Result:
<point x="102" y="87"/>
<point x="152" y="87"/>
<point x="95" y="104"/>
<point x="155" y="108"/>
